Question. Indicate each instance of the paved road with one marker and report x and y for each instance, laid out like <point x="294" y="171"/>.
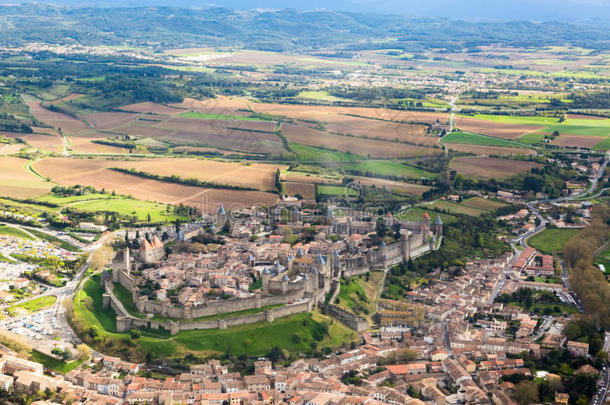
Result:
<point x="604" y="377"/>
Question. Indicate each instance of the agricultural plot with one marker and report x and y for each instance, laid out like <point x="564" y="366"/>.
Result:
<point x="388" y="168"/>
<point x="476" y="139"/>
<point x="244" y="136"/>
<point x="455" y="208"/>
<point x="67" y="124"/>
<point x="305" y="190"/>
<point x="17" y="182"/>
<point x="255" y="175"/>
<point x="336" y="191"/>
<point x="484" y="204"/>
<point x="40" y="141"/>
<point x="360" y="146"/>
<point x="397" y="186"/>
<point x="151" y="108"/>
<point x="499" y="129"/>
<point x="370" y="128"/>
<point x="473" y="206"/>
<point x="221" y="105"/>
<point x="95" y="173"/>
<point x="490" y="168"/>
<point x="109" y="120"/>
<point x="127" y="206"/>
<point x="577" y="141"/>
<point x="481" y="150"/>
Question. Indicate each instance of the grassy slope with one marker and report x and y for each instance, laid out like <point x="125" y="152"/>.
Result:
<point x="253" y="340"/>
<point x="7" y="230"/>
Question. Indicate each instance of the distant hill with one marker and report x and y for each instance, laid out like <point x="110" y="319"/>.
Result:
<point x="530" y="10"/>
<point x="280" y="30"/>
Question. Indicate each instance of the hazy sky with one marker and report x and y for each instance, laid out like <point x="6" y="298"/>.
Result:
<point x="565" y="10"/>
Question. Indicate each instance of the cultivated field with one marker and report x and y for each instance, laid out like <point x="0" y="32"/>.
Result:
<point x="151" y="108"/>
<point x="481" y="150"/>
<point x="305" y="190"/>
<point x="67" y="124"/>
<point x="17" y="182"/>
<point x="42" y="142"/>
<point x="490" y="168"/>
<point x="576" y="141"/>
<point x="498" y="129"/>
<point x="359" y="146"/>
<point x="109" y="120"/>
<point x="398" y="186"/>
<point x="220" y="105"/>
<point x="96" y="173"/>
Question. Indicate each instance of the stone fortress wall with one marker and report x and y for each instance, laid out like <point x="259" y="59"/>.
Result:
<point x="294" y="296"/>
<point x="125" y="321"/>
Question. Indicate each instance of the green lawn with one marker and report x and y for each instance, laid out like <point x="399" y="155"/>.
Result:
<point x="33" y="305"/>
<point x="417" y="213"/>
<point x="475" y="139"/>
<point x="388" y="168"/>
<point x="205" y="116"/>
<point x="7" y="230"/>
<point x="551" y="240"/>
<point x="603" y="145"/>
<point x="131" y="207"/>
<point x="251" y="340"/>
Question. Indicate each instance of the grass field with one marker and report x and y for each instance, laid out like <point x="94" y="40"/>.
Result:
<point x="388" y="168"/>
<point x="128" y="206"/>
<point x="7" y="230"/>
<point x="417" y="213"/>
<point x="251" y="340"/>
<point x="551" y="240"/>
<point x="32" y="305"/>
<point x="475" y="139"/>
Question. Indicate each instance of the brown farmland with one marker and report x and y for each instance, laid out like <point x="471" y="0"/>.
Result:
<point x="220" y="105"/>
<point x="415" y="189"/>
<point x="68" y="125"/>
<point x="43" y="142"/>
<point x="151" y="108"/>
<point x="497" y="129"/>
<point x="258" y="175"/>
<point x="305" y="190"/>
<point x="488" y="168"/>
<point x="95" y="173"/>
<point x="360" y="146"/>
<point x="243" y="136"/>
<point x="576" y="141"/>
<point x="108" y="120"/>
<point x="17" y="182"/>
